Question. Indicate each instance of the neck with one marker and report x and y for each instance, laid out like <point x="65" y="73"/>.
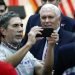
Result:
<point x="11" y="45"/>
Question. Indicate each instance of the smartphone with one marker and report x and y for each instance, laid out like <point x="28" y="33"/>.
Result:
<point x="46" y="32"/>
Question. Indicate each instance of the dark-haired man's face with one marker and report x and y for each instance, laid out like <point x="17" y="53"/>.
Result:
<point x="14" y="32"/>
<point x="49" y="1"/>
<point x="2" y="10"/>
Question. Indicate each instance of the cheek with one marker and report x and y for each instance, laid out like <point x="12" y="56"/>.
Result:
<point x="11" y="32"/>
<point x="42" y="21"/>
<point x="55" y="21"/>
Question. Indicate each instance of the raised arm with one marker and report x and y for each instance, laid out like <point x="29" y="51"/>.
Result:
<point x="49" y="61"/>
<point x="16" y="58"/>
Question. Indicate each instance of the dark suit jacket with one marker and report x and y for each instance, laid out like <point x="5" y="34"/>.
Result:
<point x="66" y="58"/>
<point x="67" y="23"/>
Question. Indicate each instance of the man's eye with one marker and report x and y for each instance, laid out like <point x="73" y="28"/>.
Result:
<point x="44" y="17"/>
<point x="21" y="25"/>
<point x="51" y="17"/>
<point x="15" y="25"/>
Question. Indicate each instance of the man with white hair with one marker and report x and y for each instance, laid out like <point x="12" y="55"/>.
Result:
<point x="50" y="17"/>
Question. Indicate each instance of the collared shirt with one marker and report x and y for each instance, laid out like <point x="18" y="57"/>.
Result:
<point x="44" y="51"/>
<point x="57" y="30"/>
<point x="69" y="71"/>
<point x="26" y="67"/>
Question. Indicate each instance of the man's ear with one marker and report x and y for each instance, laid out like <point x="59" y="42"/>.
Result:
<point x="3" y="31"/>
<point x="59" y="19"/>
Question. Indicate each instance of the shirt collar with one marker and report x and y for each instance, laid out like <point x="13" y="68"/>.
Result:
<point x="57" y="30"/>
<point x="9" y="45"/>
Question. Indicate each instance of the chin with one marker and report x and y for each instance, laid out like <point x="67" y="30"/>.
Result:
<point x="18" y="40"/>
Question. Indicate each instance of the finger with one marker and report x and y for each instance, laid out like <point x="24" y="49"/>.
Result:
<point x="39" y="33"/>
<point x="36" y="27"/>
<point x="54" y="35"/>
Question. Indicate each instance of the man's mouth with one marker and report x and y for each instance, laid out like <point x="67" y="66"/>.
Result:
<point x="19" y="36"/>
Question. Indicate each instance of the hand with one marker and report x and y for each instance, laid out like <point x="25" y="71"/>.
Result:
<point x="53" y="38"/>
<point x="32" y="34"/>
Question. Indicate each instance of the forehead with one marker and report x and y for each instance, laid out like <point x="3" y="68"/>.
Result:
<point x="47" y="11"/>
<point x="15" y="20"/>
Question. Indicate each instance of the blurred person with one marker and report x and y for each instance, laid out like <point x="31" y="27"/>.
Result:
<point x="3" y="7"/>
<point x="49" y="1"/>
<point x="7" y="69"/>
<point x="55" y="2"/>
<point x="12" y="29"/>
<point x="66" y="64"/>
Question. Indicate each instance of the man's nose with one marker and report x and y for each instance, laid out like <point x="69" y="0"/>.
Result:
<point x="47" y="20"/>
<point x="20" y="29"/>
<point x="47" y="1"/>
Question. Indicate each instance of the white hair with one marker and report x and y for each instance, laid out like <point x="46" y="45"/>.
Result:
<point x="52" y="7"/>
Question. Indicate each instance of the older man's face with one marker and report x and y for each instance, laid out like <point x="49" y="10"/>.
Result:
<point x="49" y="19"/>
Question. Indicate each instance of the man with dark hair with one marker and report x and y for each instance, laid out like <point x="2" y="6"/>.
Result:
<point x="3" y="7"/>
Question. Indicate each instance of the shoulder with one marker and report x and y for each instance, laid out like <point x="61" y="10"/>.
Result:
<point x="34" y="16"/>
<point x="70" y="71"/>
<point x="34" y="19"/>
<point x="65" y="32"/>
<point x="2" y="48"/>
<point x="67" y="52"/>
<point x="68" y="47"/>
<point x="66" y="18"/>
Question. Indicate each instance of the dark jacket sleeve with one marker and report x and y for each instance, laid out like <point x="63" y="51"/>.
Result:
<point x="65" y="58"/>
